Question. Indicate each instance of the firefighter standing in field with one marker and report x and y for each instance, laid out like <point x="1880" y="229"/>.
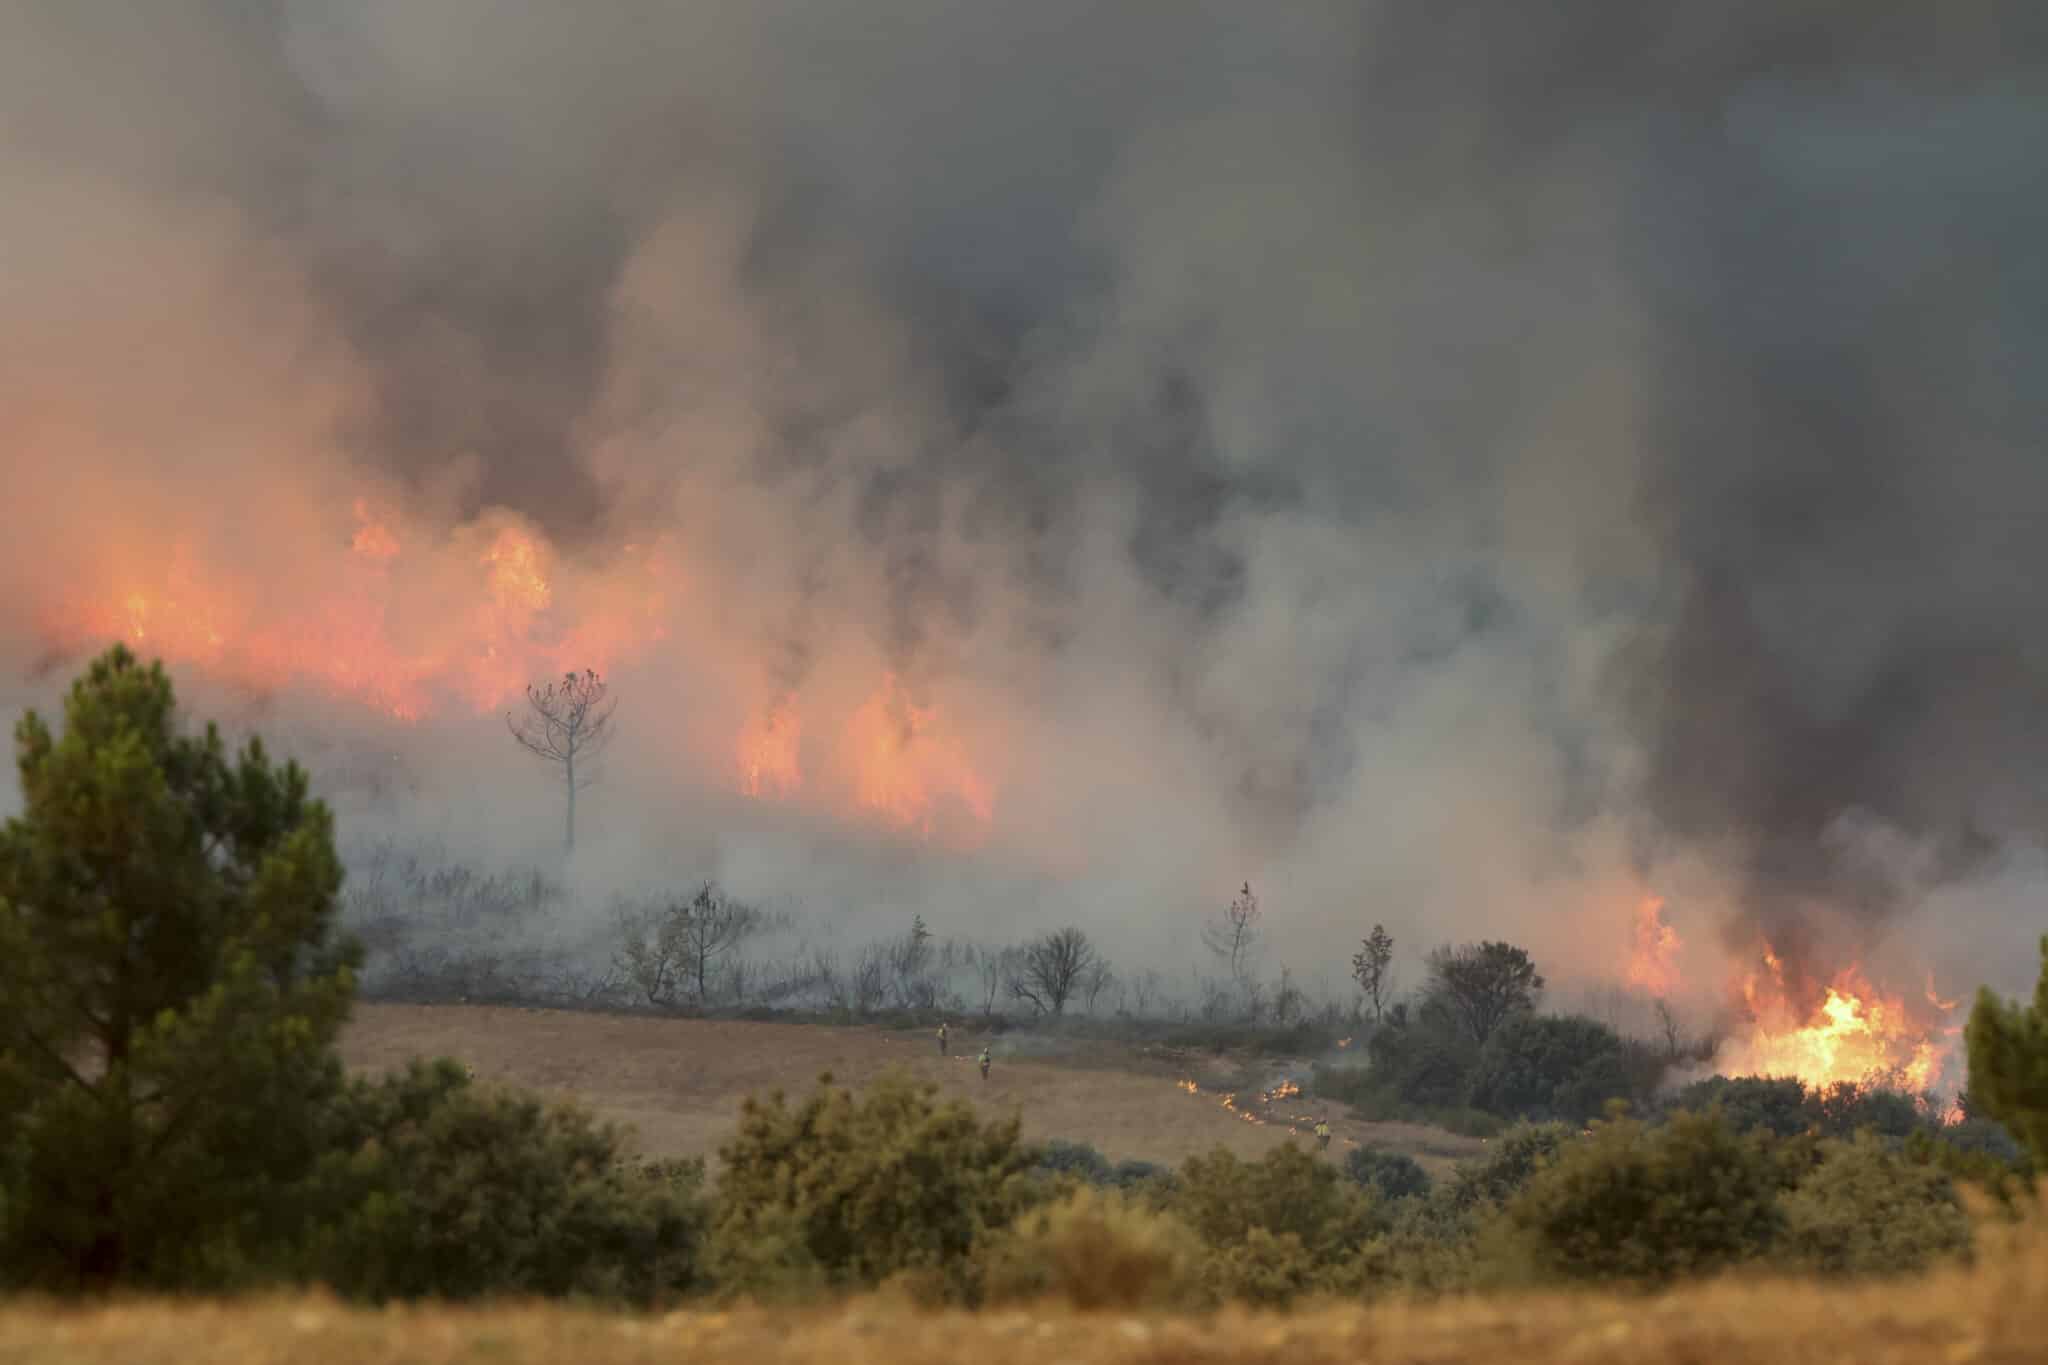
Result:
<point x="942" y="1038"/>
<point x="1322" y="1135"/>
<point x="982" y="1060"/>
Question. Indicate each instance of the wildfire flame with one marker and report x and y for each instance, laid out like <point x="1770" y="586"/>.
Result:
<point x="411" y="624"/>
<point x="906" y="765"/>
<point x="1653" y="960"/>
<point x="1854" y="1031"/>
<point x="769" y="753"/>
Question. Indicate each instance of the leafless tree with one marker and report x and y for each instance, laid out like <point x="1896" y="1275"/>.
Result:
<point x="1669" y="1029"/>
<point x="1094" y="982"/>
<point x="681" y="945"/>
<point x="910" y="963"/>
<point x="1046" y="971"/>
<point x="568" y="722"/>
<point x="868" y="983"/>
<point x="1233" y="936"/>
<point x="992" y="968"/>
<point x="1288" y="1000"/>
<point x="1144" y="988"/>
<point x="830" y="983"/>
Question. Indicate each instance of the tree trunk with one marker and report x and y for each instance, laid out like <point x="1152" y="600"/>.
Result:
<point x="570" y="766"/>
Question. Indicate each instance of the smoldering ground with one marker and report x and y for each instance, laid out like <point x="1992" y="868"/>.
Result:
<point x="1451" y="467"/>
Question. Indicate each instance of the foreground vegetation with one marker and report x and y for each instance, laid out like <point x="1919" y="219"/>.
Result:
<point x="173" y="1117"/>
<point x="1992" y="1313"/>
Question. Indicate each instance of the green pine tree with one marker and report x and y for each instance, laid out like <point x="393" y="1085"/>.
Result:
<point x="2009" y="1063"/>
<point x="171" y="986"/>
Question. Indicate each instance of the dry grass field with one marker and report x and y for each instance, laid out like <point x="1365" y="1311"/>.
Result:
<point x="1991" y="1316"/>
<point x="678" y="1082"/>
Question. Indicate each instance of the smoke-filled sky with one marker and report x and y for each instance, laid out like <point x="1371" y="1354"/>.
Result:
<point x="1455" y="465"/>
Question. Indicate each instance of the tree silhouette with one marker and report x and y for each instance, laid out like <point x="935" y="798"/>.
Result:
<point x="1371" y="967"/>
<point x="1049" y="969"/>
<point x="1233" y="936"/>
<point x="567" y="722"/>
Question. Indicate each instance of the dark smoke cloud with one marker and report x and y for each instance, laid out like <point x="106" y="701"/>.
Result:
<point x="1443" y="460"/>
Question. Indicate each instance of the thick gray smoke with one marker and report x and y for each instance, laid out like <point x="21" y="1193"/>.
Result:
<point x="1453" y="465"/>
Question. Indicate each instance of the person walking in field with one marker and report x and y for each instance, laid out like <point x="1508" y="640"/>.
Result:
<point x="1322" y="1135"/>
<point x="982" y="1060"/>
<point x="942" y="1037"/>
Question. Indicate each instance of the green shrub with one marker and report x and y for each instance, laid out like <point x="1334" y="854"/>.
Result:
<point x="1868" y="1208"/>
<point x="1389" y="1175"/>
<point x="1427" y="1062"/>
<point x="171" y="985"/>
<point x="1096" y="1250"/>
<point x="1774" y="1104"/>
<point x="1636" y="1203"/>
<point x="839" y="1192"/>
<point x="2008" y="1046"/>
<point x="1847" y="1108"/>
<point x="436" y="1187"/>
<point x="1512" y="1160"/>
<point x="1529" y="1059"/>
<point x="1080" y="1161"/>
<point x="1310" y="1220"/>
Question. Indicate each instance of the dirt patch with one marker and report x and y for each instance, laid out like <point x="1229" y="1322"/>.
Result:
<point x="678" y="1083"/>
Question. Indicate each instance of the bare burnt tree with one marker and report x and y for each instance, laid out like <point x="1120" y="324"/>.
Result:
<point x="910" y="967"/>
<point x="1097" y="979"/>
<point x="568" y="722"/>
<point x="1233" y="936"/>
<point x="1144" y="989"/>
<point x="1047" y="970"/>
<point x="709" y="928"/>
<point x="992" y="969"/>
<point x="681" y="945"/>
<point x="868" y="983"/>
<point x="1669" y="1029"/>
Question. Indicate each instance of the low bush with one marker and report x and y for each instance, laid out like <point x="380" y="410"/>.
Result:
<point x="1643" y="1204"/>
<point x="1389" y="1175"/>
<point x="838" y="1192"/>
<point x="1284" y="1224"/>
<point x="1079" y="1161"/>
<point x="1868" y="1208"/>
<point x="435" y="1187"/>
<point x="1095" y="1250"/>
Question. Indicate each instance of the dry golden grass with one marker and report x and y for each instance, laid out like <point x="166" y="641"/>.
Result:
<point x="1989" y="1315"/>
<point x="678" y="1083"/>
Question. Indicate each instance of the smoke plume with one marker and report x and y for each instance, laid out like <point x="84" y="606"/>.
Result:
<point x="1454" y="466"/>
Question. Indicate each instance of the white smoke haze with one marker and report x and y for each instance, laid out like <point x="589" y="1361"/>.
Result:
<point x="1463" y="471"/>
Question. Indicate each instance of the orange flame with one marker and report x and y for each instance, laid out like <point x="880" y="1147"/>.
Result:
<point x="470" y="626"/>
<point x="905" y="764"/>
<point x="769" y="749"/>
<point x="1854" y="1032"/>
<point x="1653" y="961"/>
